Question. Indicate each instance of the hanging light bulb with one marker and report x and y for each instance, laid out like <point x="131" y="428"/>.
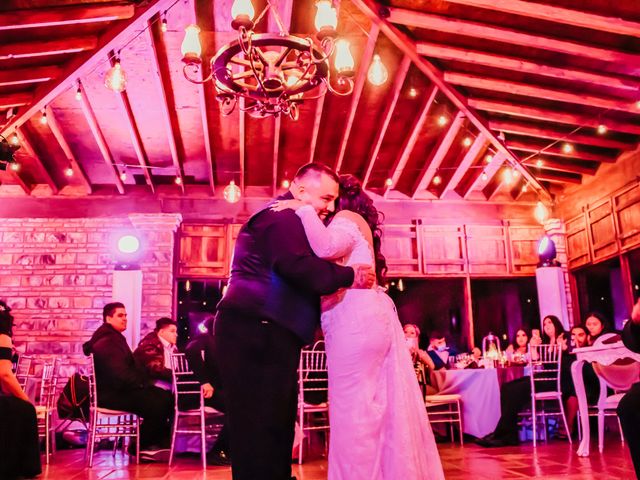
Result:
<point x="15" y="140"/>
<point x="467" y="141"/>
<point x="484" y="176"/>
<point x="437" y="180"/>
<point x="163" y="25"/>
<point x="116" y="78"/>
<point x="326" y="20"/>
<point x="602" y="129"/>
<point x="389" y="182"/>
<point x="413" y="93"/>
<point x="344" y="62"/>
<point x="191" y="48"/>
<point x="539" y="163"/>
<point x="123" y="176"/>
<point x="43" y="118"/>
<point x="15" y="166"/>
<point x="286" y="184"/>
<point x="231" y="192"/>
<point x="507" y="176"/>
<point x="514" y="173"/>
<point x="541" y="213"/>
<point x="488" y="158"/>
<point x="68" y="172"/>
<point x="78" y="93"/>
<point x="377" y="73"/>
<point x="242" y="12"/>
<point x="177" y="181"/>
<point x="442" y="120"/>
<point x="567" y="148"/>
<point x="187" y="286"/>
<point x="525" y="188"/>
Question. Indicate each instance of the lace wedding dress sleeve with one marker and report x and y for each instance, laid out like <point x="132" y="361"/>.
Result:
<point x="329" y="242"/>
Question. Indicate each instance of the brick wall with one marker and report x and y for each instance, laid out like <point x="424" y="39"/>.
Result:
<point x="56" y="274"/>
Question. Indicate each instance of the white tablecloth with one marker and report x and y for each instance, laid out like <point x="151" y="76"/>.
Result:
<point x="480" y="393"/>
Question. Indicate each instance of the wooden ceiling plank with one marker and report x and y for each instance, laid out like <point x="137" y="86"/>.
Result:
<point x="15" y="100"/>
<point x="54" y="126"/>
<point x="65" y="15"/>
<point x="134" y="132"/>
<point x="98" y="136"/>
<point x="557" y="150"/>
<point x="514" y="37"/>
<point x="469" y="158"/>
<point x="359" y="83"/>
<point x="445" y="52"/>
<point x="559" y="166"/>
<point x="490" y="169"/>
<point x="429" y="169"/>
<point x="549" y="133"/>
<point x="372" y="10"/>
<point x="392" y="101"/>
<point x="167" y="104"/>
<point x="562" y="15"/>
<point x="117" y="35"/>
<point x="25" y="143"/>
<point x="556" y="178"/>
<point x="528" y="90"/>
<point x="316" y="127"/>
<point x="30" y="49"/>
<point x="509" y="108"/>
<point x="21" y="76"/>
<point x="277" y="126"/>
<point x="411" y="139"/>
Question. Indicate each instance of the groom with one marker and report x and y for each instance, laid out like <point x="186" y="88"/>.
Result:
<point x="270" y="310"/>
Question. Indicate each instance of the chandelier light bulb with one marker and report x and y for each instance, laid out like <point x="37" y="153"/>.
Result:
<point x="191" y="48"/>
<point x="231" y="192"/>
<point x="116" y="78"/>
<point x="326" y="16"/>
<point x="242" y="12"/>
<point x="344" y="61"/>
<point x="541" y="213"/>
<point x="69" y="172"/>
<point x="377" y="73"/>
<point x="602" y="129"/>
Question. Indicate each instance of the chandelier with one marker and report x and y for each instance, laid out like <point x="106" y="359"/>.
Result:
<point x="273" y="73"/>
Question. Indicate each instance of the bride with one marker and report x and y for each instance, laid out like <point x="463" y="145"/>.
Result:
<point x="379" y="425"/>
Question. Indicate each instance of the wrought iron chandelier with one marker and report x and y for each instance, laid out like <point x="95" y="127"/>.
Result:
<point x="273" y="73"/>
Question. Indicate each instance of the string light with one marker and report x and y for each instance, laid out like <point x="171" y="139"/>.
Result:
<point x="377" y="73"/>
<point x="231" y="192"/>
<point x="488" y="158"/>
<point x="467" y="141"/>
<point x="602" y="129"/>
<point x="177" y="181"/>
<point x="484" y="176"/>
<point x="437" y="180"/>
<point x="286" y="184"/>
<point x="507" y="175"/>
<point x="567" y="148"/>
<point x="389" y="182"/>
<point x="116" y="78"/>
<point x="539" y="163"/>
<point x="78" y="93"/>
<point x="43" y="118"/>
<point x="15" y="140"/>
<point x="525" y="188"/>
<point x="413" y="93"/>
<point x="15" y="166"/>
<point x="68" y="172"/>
<point x="163" y="26"/>
<point x="515" y="172"/>
<point x="442" y="120"/>
<point x="123" y="176"/>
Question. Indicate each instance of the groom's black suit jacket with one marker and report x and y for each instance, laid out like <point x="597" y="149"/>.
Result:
<point x="276" y="276"/>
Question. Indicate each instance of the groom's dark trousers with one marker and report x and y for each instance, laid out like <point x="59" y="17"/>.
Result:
<point x="270" y="310"/>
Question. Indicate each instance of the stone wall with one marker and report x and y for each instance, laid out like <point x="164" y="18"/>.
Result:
<point x="56" y="274"/>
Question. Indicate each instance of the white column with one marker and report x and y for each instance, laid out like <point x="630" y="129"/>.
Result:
<point x="552" y="296"/>
<point x="127" y="288"/>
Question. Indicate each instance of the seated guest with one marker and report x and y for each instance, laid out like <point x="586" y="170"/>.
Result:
<point x="200" y="354"/>
<point x="154" y="352"/>
<point x="19" y="443"/>
<point x="629" y="406"/>
<point x="437" y="350"/>
<point x="518" y="350"/>
<point x="121" y="385"/>
<point x="422" y="362"/>
<point x="597" y="325"/>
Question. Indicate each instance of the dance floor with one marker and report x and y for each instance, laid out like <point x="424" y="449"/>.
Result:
<point x="556" y="460"/>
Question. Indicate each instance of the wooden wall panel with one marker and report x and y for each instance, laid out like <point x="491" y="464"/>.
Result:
<point x="523" y="242"/>
<point x="627" y="208"/>
<point x="399" y="246"/>
<point x="487" y="250"/>
<point x="602" y="230"/>
<point x="442" y="249"/>
<point x="203" y="251"/>
<point x="578" y="251"/>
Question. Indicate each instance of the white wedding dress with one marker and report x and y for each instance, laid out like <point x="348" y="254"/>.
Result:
<point x="379" y="425"/>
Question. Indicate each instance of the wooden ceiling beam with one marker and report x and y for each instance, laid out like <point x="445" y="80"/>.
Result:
<point x="25" y="143"/>
<point x="65" y="15"/>
<point x="373" y="11"/>
<point x="50" y="47"/>
<point x="54" y="126"/>
<point x="470" y="29"/>
<point x="528" y="90"/>
<point x="556" y="116"/>
<point x="411" y="139"/>
<point x="467" y="161"/>
<point x="557" y="150"/>
<point x="392" y="101"/>
<point x="277" y="126"/>
<point x="167" y="104"/>
<point x="20" y="76"/>
<point x="316" y="127"/>
<point x="134" y="132"/>
<point x="98" y="136"/>
<point x="358" y="87"/>
<point x="549" y="133"/>
<point x="82" y="63"/>
<point x="491" y="169"/>
<point x="559" y="178"/>
<point x="15" y="100"/>
<point x="562" y="15"/>
<point x="445" y="52"/>
<point x="559" y="166"/>
<point x="430" y="168"/>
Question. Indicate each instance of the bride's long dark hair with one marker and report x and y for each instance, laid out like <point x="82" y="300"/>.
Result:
<point x="353" y="198"/>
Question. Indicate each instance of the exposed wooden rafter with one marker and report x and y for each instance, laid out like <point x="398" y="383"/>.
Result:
<point x="469" y="158"/>
<point x="458" y="26"/>
<point x="168" y="104"/>
<point x="98" y="136"/>
<point x="559" y="177"/>
<point x="430" y="168"/>
<point x="51" y="47"/>
<point x="558" y="14"/>
<point x="411" y="139"/>
<point x="557" y="150"/>
<point x="54" y="126"/>
<point x="490" y="170"/>
<point x="528" y="90"/>
<point x="21" y="76"/>
<point x="560" y="166"/>
<point x="372" y="10"/>
<point x="392" y="101"/>
<point x="25" y="142"/>
<point x="358" y="87"/>
<point x="15" y="100"/>
<point x="65" y="15"/>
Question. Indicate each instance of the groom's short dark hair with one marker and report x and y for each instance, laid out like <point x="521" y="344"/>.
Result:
<point x="316" y="169"/>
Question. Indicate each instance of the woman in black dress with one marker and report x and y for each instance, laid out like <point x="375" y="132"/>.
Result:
<point x="19" y="444"/>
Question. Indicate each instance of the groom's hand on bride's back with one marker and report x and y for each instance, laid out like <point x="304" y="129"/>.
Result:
<point x="363" y="276"/>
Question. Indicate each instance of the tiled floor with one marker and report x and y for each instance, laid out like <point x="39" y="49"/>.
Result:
<point x="556" y="460"/>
